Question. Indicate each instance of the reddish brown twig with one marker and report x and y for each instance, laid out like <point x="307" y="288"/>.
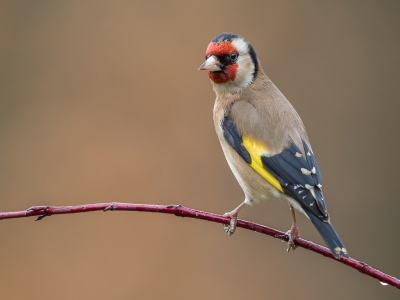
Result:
<point x="181" y="211"/>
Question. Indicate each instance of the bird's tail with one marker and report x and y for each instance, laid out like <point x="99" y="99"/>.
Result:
<point x="330" y="236"/>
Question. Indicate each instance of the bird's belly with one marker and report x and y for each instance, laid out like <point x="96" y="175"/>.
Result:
<point x="254" y="186"/>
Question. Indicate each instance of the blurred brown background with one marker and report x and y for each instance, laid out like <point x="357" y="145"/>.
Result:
<point x="102" y="101"/>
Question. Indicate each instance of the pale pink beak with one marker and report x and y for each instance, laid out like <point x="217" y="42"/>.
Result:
<point x="211" y="64"/>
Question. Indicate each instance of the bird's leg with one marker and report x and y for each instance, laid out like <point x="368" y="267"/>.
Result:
<point x="230" y="229"/>
<point x="293" y="233"/>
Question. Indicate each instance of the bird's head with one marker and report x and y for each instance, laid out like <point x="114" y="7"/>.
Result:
<point x="231" y="63"/>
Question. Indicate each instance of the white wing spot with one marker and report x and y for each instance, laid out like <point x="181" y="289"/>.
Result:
<point x="298" y="154"/>
<point x="300" y="191"/>
<point x="319" y="185"/>
<point x="313" y="170"/>
<point x="308" y="153"/>
<point x="312" y="204"/>
<point x="305" y="171"/>
<point x="309" y="186"/>
<point x="304" y="197"/>
<point x="313" y="192"/>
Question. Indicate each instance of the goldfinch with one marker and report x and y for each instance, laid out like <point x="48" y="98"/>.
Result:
<point x="264" y="139"/>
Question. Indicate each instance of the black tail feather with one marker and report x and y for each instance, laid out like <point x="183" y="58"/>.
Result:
<point x="329" y="235"/>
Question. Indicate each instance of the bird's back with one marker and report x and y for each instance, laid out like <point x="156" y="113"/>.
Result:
<point x="264" y="114"/>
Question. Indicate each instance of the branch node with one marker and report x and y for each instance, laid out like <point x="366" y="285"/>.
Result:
<point x="282" y="237"/>
<point x="363" y="264"/>
<point x="38" y="208"/>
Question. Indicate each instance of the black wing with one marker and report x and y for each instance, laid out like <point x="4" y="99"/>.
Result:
<point x="234" y="139"/>
<point x="300" y="177"/>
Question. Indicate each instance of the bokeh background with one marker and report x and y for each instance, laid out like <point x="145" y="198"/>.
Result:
<point x="102" y="101"/>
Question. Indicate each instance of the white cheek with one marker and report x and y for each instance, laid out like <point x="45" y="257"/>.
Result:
<point x="245" y="71"/>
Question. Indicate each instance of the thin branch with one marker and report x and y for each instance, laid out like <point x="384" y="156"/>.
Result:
<point x="43" y="211"/>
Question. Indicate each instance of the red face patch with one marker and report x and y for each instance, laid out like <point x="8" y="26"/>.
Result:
<point x="229" y="73"/>
<point x="219" y="50"/>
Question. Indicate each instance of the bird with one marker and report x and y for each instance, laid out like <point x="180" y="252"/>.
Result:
<point x="264" y="140"/>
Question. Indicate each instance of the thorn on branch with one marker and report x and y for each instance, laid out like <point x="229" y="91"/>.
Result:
<point x="40" y="217"/>
<point x="110" y="207"/>
<point x="176" y="206"/>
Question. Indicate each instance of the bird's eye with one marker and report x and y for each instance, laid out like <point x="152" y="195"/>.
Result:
<point x="233" y="55"/>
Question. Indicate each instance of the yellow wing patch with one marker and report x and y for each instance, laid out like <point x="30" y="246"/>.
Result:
<point x="256" y="149"/>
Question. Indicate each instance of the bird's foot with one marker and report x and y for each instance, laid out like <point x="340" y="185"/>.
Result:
<point x="230" y="229"/>
<point x="291" y="235"/>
